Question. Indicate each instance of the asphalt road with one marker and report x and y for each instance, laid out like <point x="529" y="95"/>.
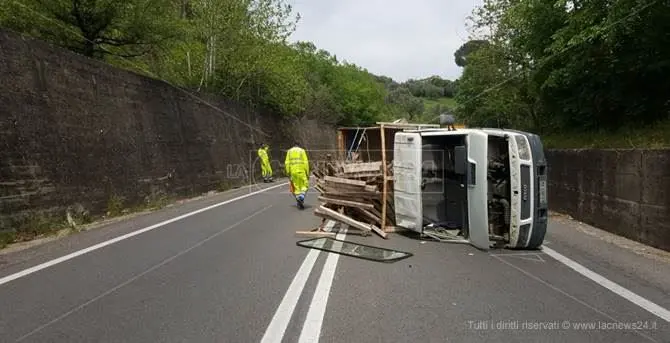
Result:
<point x="233" y="273"/>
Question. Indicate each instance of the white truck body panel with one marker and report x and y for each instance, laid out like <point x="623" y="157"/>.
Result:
<point x="407" y="181"/>
<point x="408" y="176"/>
<point x="478" y="227"/>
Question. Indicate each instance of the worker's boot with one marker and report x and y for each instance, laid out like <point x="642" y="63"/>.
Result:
<point x="301" y="201"/>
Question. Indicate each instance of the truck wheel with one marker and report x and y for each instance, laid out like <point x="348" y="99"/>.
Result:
<point x="537" y="237"/>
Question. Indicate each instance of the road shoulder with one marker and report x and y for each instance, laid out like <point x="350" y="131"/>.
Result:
<point x="25" y="255"/>
<point x="641" y="269"/>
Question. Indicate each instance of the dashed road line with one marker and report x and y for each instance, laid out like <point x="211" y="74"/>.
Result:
<point x="282" y="317"/>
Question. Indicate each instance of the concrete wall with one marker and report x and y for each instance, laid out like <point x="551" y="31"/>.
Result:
<point x="626" y="192"/>
<point x="74" y="130"/>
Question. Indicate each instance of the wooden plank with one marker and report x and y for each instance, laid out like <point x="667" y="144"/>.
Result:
<point x="348" y="203"/>
<point x="392" y="125"/>
<point x="374" y="227"/>
<point x="351" y="192"/>
<point x="353" y="196"/>
<point x="344" y="181"/>
<point x="390" y="229"/>
<point x="347" y="197"/>
<point x="359" y="175"/>
<point x="344" y="197"/>
<point x="362" y="167"/>
<point x="379" y="231"/>
<point x="369" y="215"/>
<point x="343" y="219"/>
<point x="360" y="193"/>
<point x="371" y="189"/>
<point x="340" y="145"/>
<point x="341" y="187"/>
<point x="384" y="172"/>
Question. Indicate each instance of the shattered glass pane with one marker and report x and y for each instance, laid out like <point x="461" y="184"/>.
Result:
<point x="354" y="249"/>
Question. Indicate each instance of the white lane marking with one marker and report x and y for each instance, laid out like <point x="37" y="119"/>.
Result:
<point x="568" y="295"/>
<point x="132" y="279"/>
<point x="311" y="329"/>
<point x="601" y="280"/>
<point x="277" y="327"/>
<point x="70" y="256"/>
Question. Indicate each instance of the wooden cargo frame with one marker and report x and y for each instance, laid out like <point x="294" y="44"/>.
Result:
<point x="378" y="147"/>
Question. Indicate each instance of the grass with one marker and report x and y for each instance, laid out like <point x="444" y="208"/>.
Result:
<point x="429" y="104"/>
<point x="32" y="225"/>
<point x="36" y="225"/>
<point x="655" y="137"/>
<point x="429" y="113"/>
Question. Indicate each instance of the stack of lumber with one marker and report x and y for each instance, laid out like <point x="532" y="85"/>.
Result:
<point x="351" y="194"/>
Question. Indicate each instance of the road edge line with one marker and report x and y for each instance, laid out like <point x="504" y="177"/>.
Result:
<point x="143" y="273"/>
<point x="612" y="286"/>
<point x="103" y="244"/>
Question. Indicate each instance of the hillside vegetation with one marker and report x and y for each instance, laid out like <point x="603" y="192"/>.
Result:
<point x="593" y="73"/>
<point x="233" y="48"/>
<point x="589" y="73"/>
<point x="420" y="100"/>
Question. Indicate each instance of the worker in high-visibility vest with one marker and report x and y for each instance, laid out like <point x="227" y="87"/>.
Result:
<point x="266" y="168"/>
<point x="296" y="165"/>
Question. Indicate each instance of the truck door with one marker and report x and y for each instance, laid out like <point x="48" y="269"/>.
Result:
<point x="407" y="181"/>
<point x="478" y="229"/>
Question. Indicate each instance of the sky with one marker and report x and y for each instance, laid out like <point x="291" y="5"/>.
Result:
<point x="401" y="39"/>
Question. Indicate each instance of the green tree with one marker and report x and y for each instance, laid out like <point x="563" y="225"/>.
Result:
<point x="95" y="29"/>
<point x="407" y="102"/>
<point x="566" y="65"/>
<point x="461" y="55"/>
<point x="232" y="48"/>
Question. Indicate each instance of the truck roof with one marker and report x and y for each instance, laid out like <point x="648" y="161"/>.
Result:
<point x="445" y="131"/>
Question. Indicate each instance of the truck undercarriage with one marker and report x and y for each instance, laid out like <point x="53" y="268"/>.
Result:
<point x="499" y="192"/>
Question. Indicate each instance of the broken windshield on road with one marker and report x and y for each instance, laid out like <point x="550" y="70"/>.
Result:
<point x="352" y="249"/>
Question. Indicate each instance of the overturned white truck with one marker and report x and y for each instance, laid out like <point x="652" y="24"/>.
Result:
<point x="486" y="187"/>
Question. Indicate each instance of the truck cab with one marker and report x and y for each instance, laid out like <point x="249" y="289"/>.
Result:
<point x="485" y="186"/>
